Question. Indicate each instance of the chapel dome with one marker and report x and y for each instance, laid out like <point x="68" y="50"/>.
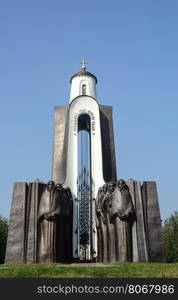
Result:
<point x="83" y="73"/>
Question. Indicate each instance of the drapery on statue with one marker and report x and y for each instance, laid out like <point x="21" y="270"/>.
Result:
<point x="107" y="206"/>
<point x="101" y="224"/>
<point x="49" y="209"/>
<point x="64" y="245"/>
<point x="122" y="216"/>
<point x="115" y="214"/>
<point x="54" y="224"/>
<point x="105" y="229"/>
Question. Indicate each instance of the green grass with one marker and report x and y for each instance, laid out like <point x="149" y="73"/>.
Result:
<point x="118" y="270"/>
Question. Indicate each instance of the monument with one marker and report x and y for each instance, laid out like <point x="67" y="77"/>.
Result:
<point x="84" y="213"/>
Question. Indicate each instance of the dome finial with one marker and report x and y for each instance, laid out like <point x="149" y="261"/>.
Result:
<point x="83" y="63"/>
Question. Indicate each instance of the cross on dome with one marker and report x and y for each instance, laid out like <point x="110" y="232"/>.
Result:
<point x="83" y="63"/>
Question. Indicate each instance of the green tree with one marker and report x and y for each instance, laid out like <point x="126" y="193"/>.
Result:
<point x="3" y="238"/>
<point x="170" y="231"/>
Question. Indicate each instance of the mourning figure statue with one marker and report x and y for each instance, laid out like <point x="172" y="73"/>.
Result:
<point x="101" y="224"/>
<point x="106" y="207"/>
<point x="105" y="229"/>
<point x="115" y="214"/>
<point x="48" y="214"/>
<point x="122" y="216"/>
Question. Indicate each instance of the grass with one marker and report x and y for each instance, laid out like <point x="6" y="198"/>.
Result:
<point x="115" y="270"/>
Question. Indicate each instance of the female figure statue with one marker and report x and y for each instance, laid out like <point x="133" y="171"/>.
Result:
<point x="101" y="224"/>
<point x="49" y="209"/>
<point x="110" y="226"/>
<point x="122" y="216"/>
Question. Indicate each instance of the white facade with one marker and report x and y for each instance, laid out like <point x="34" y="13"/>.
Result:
<point x="84" y="104"/>
<point x="80" y="80"/>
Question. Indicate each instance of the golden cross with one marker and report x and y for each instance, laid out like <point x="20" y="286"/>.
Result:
<point x="83" y="63"/>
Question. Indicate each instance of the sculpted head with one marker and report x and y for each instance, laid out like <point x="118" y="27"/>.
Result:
<point x="121" y="184"/>
<point x="100" y="191"/>
<point x="50" y="185"/>
<point x="59" y="187"/>
<point x="111" y="187"/>
<point x="105" y="188"/>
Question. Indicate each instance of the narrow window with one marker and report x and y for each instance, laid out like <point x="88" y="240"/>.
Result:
<point x="84" y="89"/>
<point x="84" y="186"/>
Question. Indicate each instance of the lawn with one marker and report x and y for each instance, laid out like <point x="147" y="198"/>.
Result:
<point x="115" y="270"/>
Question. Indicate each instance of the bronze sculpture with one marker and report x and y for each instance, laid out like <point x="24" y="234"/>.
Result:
<point x="47" y="215"/>
<point x="122" y="216"/>
<point x="54" y="230"/>
<point x="45" y="223"/>
<point x="115" y="215"/>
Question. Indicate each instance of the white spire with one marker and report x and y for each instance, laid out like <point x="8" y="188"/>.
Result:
<point x="83" y="83"/>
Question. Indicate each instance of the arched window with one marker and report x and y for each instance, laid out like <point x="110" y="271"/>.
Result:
<point x="83" y="89"/>
<point x="84" y="185"/>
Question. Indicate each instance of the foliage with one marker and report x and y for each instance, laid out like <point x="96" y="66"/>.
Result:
<point x="170" y="231"/>
<point x="100" y="270"/>
<point x="3" y="237"/>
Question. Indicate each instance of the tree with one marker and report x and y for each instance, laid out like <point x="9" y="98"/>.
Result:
<point x="3" y="238"/>
<point x="170" y="232"/>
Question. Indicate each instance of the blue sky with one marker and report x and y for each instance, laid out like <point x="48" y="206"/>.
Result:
<point x="132" y="48"/>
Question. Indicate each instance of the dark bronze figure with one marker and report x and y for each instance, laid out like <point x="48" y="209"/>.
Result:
<point x="48" y="214"/>
<point x="45" y="243"/>
<point x="122" y="216"/>
<point x="54" y="224"/>
<point x="107" y="206"/>
<point x="101" y="224"/>
<point x="115" y="214"/>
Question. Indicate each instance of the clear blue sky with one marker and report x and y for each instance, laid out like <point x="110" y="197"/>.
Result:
<point x="132" y="48"/>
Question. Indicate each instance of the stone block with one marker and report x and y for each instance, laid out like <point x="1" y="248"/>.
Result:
<point x="108" y="147"/>
<point x="59" y="160"/>
<point x="140" y="224"/>
<point x="153" y="222"/>
<point x="15" y="250"/>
